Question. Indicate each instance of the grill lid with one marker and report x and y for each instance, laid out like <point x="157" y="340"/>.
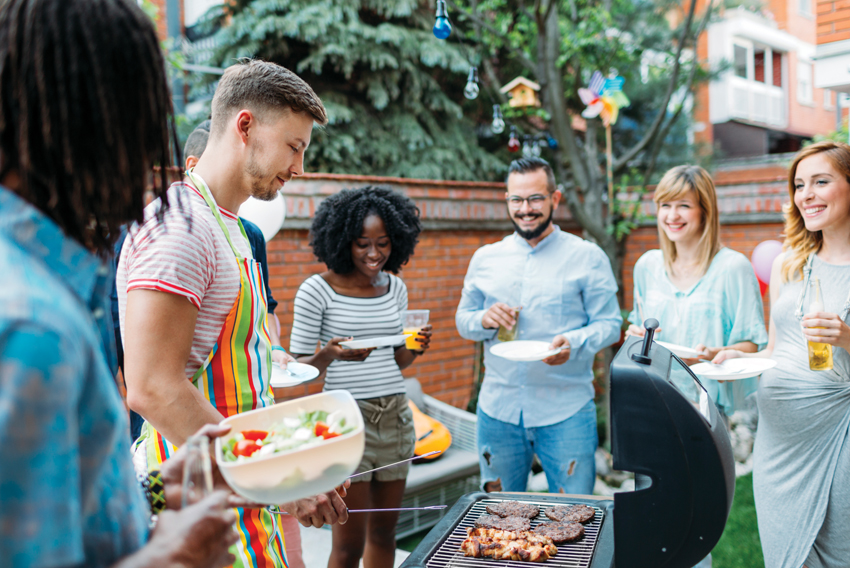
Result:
<point x="666" y="429"/>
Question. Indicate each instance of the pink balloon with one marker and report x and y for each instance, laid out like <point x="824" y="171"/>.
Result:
<point x="763" y="256"/>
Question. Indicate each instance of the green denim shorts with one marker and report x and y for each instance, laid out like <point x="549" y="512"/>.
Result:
<point x="389" y="437"/>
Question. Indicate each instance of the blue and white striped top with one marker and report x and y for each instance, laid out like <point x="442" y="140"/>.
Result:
<point x="322" y="314"/>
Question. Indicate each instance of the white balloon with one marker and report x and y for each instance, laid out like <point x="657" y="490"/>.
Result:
<point x="267" y="215"/>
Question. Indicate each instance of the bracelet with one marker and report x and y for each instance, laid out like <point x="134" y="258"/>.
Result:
<point x="278" y="348"/>
<point x="155" y="491"/>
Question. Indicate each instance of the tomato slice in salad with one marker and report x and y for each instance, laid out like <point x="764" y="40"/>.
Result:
<point x="255" y="435"/>
<point x="321" y="429"/>
<point x="245" y="448"/>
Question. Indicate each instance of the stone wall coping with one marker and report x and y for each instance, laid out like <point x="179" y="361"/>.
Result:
<point x="342" y="178"/>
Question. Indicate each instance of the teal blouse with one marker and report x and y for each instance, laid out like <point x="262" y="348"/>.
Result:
<point x="723" y="308"/>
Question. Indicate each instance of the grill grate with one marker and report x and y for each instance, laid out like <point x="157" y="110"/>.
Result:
<point x="570" y="555"/>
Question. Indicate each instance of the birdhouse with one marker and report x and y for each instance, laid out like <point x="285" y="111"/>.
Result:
<point x="522" y="93"/>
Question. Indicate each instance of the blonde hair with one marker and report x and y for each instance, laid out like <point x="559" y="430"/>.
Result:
<point x="799" y="241"/>
<point x="674" y="185"/>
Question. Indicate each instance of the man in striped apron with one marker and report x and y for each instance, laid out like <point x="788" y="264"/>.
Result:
<point x="193" y="362"/>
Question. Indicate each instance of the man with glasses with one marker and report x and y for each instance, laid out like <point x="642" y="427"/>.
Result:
<point x="556" y="288"/>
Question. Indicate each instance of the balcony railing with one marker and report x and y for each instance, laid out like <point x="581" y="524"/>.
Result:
<point x="756" y="102"/>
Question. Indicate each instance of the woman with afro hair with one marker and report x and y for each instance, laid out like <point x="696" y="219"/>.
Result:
<point x="364" y="236"/>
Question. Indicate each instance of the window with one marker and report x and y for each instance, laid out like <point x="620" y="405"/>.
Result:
<point x="804" y="83"/>
<point x="828" y="99"/>
<point x="741" y="58"/>
<point x="804" y="7"/>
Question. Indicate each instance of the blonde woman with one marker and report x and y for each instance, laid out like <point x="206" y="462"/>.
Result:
<point x="704" y="295"/>
<point x="802" y="461"/>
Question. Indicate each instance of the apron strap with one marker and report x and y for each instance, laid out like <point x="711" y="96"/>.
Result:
<point x="201" y="185"/>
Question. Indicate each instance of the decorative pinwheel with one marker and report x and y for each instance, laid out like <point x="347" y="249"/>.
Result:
<point x="604" y="98"/>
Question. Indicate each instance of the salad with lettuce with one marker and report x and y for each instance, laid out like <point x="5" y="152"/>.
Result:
<point x="306" y="430"/>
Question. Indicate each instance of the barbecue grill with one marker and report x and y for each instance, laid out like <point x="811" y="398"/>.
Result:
<point x="664" y="428"/>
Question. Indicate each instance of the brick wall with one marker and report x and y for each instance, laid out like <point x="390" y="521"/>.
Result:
<point x="461" y="217"/>
<point x="833" y="21"/>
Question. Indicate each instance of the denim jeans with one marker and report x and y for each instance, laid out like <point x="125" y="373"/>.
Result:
<point x="566" y="451"/>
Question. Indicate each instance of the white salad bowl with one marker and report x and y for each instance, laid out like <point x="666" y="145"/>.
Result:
<point x="301" y="472"/>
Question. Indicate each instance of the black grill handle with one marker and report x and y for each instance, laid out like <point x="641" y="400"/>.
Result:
<point x="643" y="358"/>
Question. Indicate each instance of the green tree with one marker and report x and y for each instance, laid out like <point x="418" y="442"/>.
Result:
<point x="393" y="91"/>
<point x="558" y="44"/>
<point x="388" y="84"/>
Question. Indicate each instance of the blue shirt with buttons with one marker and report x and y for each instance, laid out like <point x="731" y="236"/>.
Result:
<point x="68" y="493"/>
<point x="565" y="286"/>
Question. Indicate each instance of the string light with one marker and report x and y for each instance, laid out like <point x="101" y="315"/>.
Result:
<point x="471" y="90"/>
<point x="498" y="125"/>
<point x="442" y="26"/>
<point x="552" y="142"/>
<point x="513" y="142"/>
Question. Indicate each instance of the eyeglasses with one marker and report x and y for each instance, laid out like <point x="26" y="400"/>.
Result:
<point x="534" y="201"/>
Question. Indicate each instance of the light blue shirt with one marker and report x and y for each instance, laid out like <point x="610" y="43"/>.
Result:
<point x="723" y="308"/>
<point x="565" y="286"/>
<point x="68" y="493"/>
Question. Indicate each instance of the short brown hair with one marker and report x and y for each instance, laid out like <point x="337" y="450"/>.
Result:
<point x="261" y="86"/>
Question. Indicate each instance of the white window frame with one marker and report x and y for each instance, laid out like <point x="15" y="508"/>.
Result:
<point x="804" y="8"/>
<point x="828" y="100"/>
<point x="805" y="88"/>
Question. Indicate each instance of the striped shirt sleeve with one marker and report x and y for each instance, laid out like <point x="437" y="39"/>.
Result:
<point x="169" y="257"/>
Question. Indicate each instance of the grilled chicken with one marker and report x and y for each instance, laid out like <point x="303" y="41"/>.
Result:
<point x="525" y="546"/>
<point x="521" y="550"/>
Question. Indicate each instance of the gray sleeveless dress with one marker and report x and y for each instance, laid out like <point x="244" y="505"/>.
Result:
<point x="801" y="474"/>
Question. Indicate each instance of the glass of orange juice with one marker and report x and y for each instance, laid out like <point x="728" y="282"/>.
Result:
<point x="414" y="321"/>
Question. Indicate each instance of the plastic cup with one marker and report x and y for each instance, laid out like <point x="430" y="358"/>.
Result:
<point x="506" y="334"/>
<point x="414" y="321"/>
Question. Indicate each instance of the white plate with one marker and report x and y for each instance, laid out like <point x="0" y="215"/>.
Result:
<point x="386" y="341"/>
<point x="298" y="373"/>
<point x="523" y="350"/>
<point x="679" y="350"/>
<point x="732" y="369"/>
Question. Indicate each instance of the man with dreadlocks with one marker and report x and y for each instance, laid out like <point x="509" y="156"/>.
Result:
<point x="193" y="315"/>
<point x="83" y="119"/>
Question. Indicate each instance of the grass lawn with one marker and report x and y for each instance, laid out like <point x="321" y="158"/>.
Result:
<point x="739" y="547"/>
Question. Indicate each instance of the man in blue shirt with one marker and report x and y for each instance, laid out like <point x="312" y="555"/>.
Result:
<point x="567" y="293"/>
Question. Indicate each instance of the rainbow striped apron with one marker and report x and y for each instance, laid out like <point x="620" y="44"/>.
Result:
<point x="235" y="378"/>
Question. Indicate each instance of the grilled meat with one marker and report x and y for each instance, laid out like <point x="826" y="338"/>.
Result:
<point x="513" y="509"/>
<point x="504" y="524"/>
<point x="561" y="532"/>
<point x="529" y="536"/>
<point x="576" y="513"/>
<point x="522" y="550"/>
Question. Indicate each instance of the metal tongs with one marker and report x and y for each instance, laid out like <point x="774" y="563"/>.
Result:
<point x="274" y="511"/>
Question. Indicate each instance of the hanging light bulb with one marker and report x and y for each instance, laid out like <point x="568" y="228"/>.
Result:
<point x="442" y="27"/>
<point x="552" y="142"/>
<point x="527" y="149"/>
<point x="513" y="142"/>
<point x="535" y="148"/>
<point x="498" y="125"/>
<point x="471" y="90"/>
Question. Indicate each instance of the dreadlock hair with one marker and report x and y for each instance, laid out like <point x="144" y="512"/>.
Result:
<point x="84" y="106"/>
<point x="339" y="222"/>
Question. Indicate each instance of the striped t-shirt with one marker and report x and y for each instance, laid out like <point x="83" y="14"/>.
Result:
<point x="195" y="262"/>
<point x="321" y="314"/>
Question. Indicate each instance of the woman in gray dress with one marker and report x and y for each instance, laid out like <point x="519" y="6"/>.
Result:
<point x="802" y="457"/>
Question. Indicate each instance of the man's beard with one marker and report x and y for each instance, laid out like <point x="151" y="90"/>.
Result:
<point x="259" y="189"/>
<point x="533" y="233"/>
